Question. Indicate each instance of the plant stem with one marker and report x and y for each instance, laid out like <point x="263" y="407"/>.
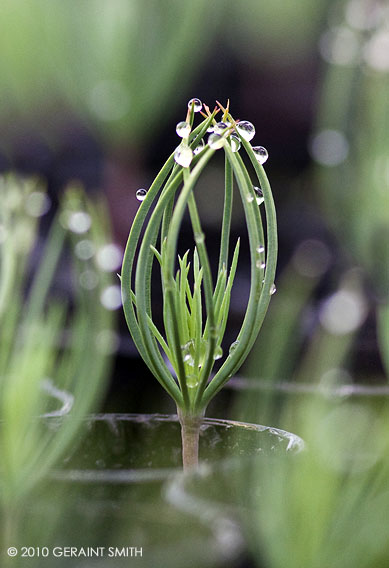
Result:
<point x="190" y="433"/>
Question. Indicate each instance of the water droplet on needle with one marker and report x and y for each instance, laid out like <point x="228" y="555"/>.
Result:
<point x="215" y="141"/>
<point x="259" y="195"/>
<point x="261" y="154"/>
<point x="197" y="105"/>
<point x="183" y="155"/>
<point x="246" y="129"/>
<point x="183" y="129"/>
<point x="141" y="194"/>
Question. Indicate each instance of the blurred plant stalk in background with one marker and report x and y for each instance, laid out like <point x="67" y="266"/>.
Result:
<point x="351" y="144"/>
<point x="56" y="340"/>
<point x="327" y="507"/>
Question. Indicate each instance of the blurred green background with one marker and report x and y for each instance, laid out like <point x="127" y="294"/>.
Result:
<point x="90" y="93"/>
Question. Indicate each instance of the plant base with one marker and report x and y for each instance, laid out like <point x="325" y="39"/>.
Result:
<point x="190" y="433"/>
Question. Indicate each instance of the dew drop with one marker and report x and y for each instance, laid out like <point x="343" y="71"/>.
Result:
<point x="183" y="129"/>
<point x="203" y="352"/>
<point x="260" y="264"/>
<point x="188" y="359"/>
<point x="141" y="194"/>
<point x="260" y="249"/>
<point x="261" y="154"/>
<point x="220" y="127"/>
<point x="249" y="198"/>
<point x="199" y="148"/>
<point x="218" y="353"/>
<point x="259" y="195"/>
<point x="273" y="289"/>
<point x="197" y="105"/>
<point x="183" y="155"/>
<point x="187" y="352"/>
<point x="79" y="222"/>
<point x="246" y="129"/>
<point x="215" y="141"/>
<point x="192" y="381"/>
<point x="235" y="143"/>
<point x="233" y="346"/>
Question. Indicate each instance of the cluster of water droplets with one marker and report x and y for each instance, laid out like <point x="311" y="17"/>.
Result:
<point x="261" y="265"/>
<point x="247" y="131"/>
<point x="183" y="154"/>
<point x="189" y="356"/>
<point x="260" y="262"/>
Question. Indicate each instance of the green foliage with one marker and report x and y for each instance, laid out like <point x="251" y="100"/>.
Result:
<point x="54" y="350"/>
<point x="195" y="318"/>
<point x="326" y="506"/>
